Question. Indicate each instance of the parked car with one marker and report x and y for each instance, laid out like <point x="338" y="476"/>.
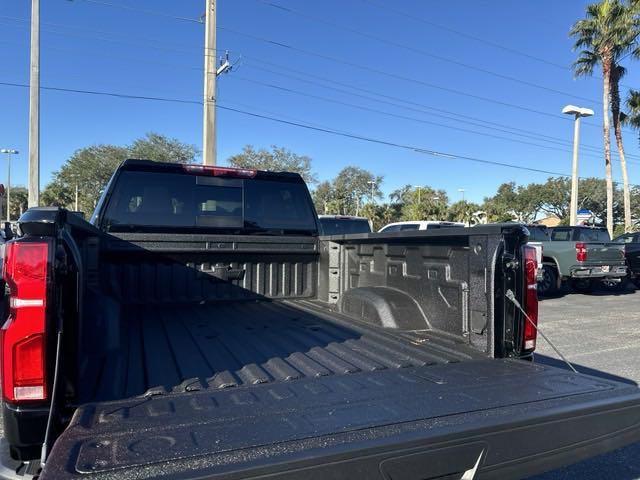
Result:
<point x="581" y="255"/>
<point x="631" y="243"/>
<point x="343" y="224"/>
<point x="199" y="327"/>
<point x="418" y="225"/>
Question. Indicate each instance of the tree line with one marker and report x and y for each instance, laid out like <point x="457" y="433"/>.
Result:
<point x="353" y="191"/>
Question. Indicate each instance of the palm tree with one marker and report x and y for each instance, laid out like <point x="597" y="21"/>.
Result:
<point x="606" y="34"/>
<point x="617" y="73"/>
<point x="633" y="106"/>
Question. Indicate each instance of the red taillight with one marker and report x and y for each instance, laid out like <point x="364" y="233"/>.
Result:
<point x="23" y="334"/>
<point x="220" y="171"/>
<point x="581" y="252"/>
<point x="530" y="298"/>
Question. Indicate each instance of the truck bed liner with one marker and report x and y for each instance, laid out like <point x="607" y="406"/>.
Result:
<point x="180" y="348"/>
<point x="419" y="422"/>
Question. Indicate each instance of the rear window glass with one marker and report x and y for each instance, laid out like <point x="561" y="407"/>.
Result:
<point x="152" y="201"/>
<point x="561" y="234"/>
<point x="593" y="235"/>
<point x="411" y="226"/>
<point x="625" y="239"/>
<point x="339" y="226"/>
<point x="537" y="234"/>
<point x="391" y="228"/>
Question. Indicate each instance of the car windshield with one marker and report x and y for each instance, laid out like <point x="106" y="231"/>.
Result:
<point x="339" y="226"/>
<point x="151" y="201"/>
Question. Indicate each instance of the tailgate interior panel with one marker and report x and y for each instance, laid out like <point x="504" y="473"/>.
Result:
<point x="224" y="432"/>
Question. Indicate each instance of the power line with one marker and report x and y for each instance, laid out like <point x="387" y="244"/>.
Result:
<point x="422" y="52"/>
<point x="379" y="97"/>
<point x="108" y="36"/>
<point x="468" y="36"/>
<point x="401" y="77"/>
<point x="144" y="10"/>
<point x="386" y="8"/>
<point x="344" y="62"/>
<point x="388" y="74"/>
<point x="502" y="127"/>
<point x="403" y="117"/>
<point x="108" y="94"/>
<point x="416" y="149"/>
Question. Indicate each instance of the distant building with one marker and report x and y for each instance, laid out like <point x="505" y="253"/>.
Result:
<point x="549" y="221"/>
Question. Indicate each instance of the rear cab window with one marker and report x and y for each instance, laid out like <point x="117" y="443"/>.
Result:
<point x="561" y="234"/>
<point x="344" y="226"/>
<point x="593" y="235"/>
<point x="161" y="201"/>
<point x="410" y="226"/>
<point x="629" y="238"/>
<point x="538" y="234"/>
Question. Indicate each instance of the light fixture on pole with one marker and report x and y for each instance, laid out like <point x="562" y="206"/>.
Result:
<point x="578" y="113"/>
<point x="9" y="152"/>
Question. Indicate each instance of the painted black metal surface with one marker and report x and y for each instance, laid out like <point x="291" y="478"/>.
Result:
<point x="230" y="432"/>
<point x="181" y="348"/>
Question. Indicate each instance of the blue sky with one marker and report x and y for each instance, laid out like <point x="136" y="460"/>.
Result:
<point x="92" y="46"/>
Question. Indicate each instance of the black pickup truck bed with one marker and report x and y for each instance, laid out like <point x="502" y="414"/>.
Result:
<point x="179" y="348"/>
<point x="419" y="422"/>
<point x="181" y="351"/>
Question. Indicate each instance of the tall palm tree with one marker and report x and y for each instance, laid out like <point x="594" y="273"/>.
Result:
<point x="604" y="37"/>
<point x="617" y="72"/>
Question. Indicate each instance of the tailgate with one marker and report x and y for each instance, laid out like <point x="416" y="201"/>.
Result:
<point x="512" y="418"/>
<point x="603" y="253"/>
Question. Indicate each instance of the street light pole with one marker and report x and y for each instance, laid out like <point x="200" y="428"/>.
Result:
<point x="9" y="152"/>
<point x="578" y="113"/>
<point x="373" y="184"/>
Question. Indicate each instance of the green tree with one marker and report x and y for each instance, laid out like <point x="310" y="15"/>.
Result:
<point x="323" y="197"/>
<point x="352" y="188"/>
<point x="618" y="119"/>
<point x="90" y="168"/>
<point x="423" y="203"/>
<point x="462" y="211"/>
<point x="279" y="159"/>
<point x="513" y="203"/>
<point x="604" y="36"/>
<point x="555" y="197"/>
<point x="159" y="148"/>
<point x="18" y="202"/>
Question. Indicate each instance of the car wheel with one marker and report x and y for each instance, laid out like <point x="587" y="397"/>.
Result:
<point x="583" y="285"/>
<point x="548" y="284"/>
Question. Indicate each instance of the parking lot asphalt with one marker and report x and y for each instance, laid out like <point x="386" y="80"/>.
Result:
<point x="600" y="334"/>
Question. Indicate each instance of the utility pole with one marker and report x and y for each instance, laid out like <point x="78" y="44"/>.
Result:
<point x="76" y="207"/>
<point x="210" y="76"/>
<point x="9" y="152"/>
<point x="34" y="108"/>
<point x="578" y="113"/>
